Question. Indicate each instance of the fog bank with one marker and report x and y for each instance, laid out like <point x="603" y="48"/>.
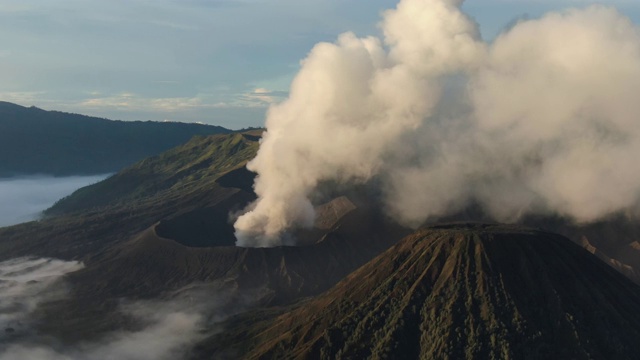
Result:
<point x="168" y="328"/>
<point x="24" y="284"/>
<point x="24" y="198"/>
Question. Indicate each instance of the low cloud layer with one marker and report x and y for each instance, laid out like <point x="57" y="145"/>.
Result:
<point x="168" y="327"/>
<point x="541" y="120"/>
<point x="24" y="284"/>
<point x="23" y="199"/>
<point x="168" y="336"/>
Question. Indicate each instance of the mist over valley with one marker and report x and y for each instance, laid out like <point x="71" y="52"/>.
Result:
<point x="24" y="199"/>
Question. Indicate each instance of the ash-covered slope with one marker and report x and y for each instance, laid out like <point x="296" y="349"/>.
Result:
<point x="152" y="266"/>
<point x="614" y="239"/>
<point x="163" y="224"/>
<point x="459" y="292"/>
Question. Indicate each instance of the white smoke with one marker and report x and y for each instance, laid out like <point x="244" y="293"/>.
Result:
<point x="349" y="105"/>
<point x="551" y="126"/>
<point x="542" y="119"/>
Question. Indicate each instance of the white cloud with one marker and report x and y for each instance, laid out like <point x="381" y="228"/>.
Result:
<point x="261" y="97"/>
<point x="257" y="98"/>
<point x="22" y="97"/>
<point x="131" y="101"/>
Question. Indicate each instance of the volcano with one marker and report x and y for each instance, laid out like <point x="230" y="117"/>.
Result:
<point x="460" y="291"/>
<point x="163" y="224"/>
<point x="155" y="229"/>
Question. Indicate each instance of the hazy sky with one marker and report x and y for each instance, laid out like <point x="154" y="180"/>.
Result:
<point x="214" y="61"/>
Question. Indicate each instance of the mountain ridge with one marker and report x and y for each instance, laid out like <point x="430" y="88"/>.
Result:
<point x="85" y="228"/>
<point x="36" y="141"/>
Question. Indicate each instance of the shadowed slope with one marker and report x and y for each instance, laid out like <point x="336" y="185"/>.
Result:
<point x="614" y="239"/>
<point x="611" y="239"/>
<point x="456" y="292"/>
<point x="149" y="265"/>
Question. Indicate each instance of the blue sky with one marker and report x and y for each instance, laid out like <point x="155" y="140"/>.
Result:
<point x="213" y="61"/>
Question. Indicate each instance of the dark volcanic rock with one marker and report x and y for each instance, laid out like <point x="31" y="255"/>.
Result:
<point x="468" y="291"/>
<point x="150" y="265"/>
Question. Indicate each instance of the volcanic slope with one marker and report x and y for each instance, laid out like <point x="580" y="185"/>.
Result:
<point x="615" y="239"/>
<point x="467" y="291"/>
<point x="152" y="266"/>
<point x="188" y="178"/>
<point x="163" y="224"/>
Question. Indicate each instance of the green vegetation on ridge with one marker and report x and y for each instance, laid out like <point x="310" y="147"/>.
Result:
<point x="185" y="169"/>
<point x="183" y="179"/>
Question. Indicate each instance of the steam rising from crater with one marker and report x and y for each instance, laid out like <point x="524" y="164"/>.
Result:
<point x="544" y="119"/>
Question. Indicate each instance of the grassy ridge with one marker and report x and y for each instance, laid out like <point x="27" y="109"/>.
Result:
<point x="167" y="185"/>
<point x="184" y="169"/>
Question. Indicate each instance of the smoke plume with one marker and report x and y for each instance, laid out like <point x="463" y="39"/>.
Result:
<point x="543" y="119"/>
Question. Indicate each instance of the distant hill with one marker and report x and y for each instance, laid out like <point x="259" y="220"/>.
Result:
<point x="35" y="141"/>
<point x="467" y="291"/>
